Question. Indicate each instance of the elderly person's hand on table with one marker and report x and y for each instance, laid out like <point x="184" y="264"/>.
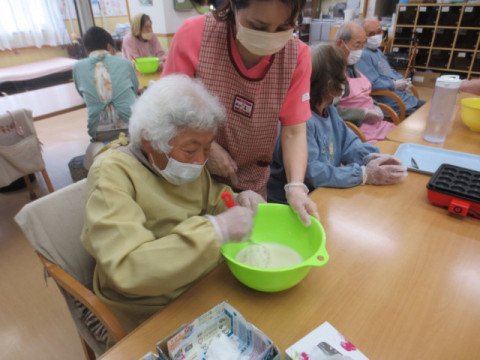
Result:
<point x="383" y="169"/>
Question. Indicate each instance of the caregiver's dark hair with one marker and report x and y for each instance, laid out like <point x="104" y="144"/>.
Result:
<point x="226" y="11"/>
<point x="328" y="73"/>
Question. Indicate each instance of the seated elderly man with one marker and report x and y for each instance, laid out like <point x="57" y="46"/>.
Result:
<point x="356" y="104"/>
<point x="155" y="219"/>
<point x="374" y="65"/>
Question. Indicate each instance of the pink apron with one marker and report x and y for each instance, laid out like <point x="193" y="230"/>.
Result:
<point x="253" y="105"/>
<point x="359" y="98"/>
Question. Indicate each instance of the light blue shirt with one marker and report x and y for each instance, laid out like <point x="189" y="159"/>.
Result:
<point x="374" y="65"/>
<point x="335" y="156"/>
<point x="124" y="88"/>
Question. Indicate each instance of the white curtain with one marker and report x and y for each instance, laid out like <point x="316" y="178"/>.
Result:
<point x="25" y="23"/>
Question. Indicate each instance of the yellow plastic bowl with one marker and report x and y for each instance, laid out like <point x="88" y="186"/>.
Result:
<point x="279" y="224"/>
<point x="471" y="113"/>
<point x="147" y="65"/>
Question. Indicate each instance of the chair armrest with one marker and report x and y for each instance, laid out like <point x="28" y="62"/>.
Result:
<point x="414" y="91"/>
<point x="395" y="97"/>
<point x="393" y="115"/>
<point x="356" y="130"/>
<point x="86" y="297"/>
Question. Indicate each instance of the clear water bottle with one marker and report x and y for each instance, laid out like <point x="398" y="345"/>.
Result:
<point x="442" y="108"/>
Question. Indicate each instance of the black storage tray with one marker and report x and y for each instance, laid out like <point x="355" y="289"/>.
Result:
<point x="456" y="181"/>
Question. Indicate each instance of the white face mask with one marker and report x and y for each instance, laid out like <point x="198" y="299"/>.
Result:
<point x="354" y="55"/>
<point x="373" y="42"/>
<point x="176" y="172"/>
<point x="337" y="99"/>
<point x="147" y="36"/>
<point x="262" y="43"/>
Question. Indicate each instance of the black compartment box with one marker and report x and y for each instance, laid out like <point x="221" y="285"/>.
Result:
<point x="456" y="188"/>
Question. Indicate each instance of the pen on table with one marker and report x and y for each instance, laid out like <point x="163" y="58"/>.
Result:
<point x="414" y="163"/>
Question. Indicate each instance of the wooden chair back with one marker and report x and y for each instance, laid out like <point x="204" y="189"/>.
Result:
<point x="53" y="225"/>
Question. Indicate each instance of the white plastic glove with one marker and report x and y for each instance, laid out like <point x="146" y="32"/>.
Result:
<point x="221" y="163"/>
<point x="409" y="84"/>
<point x="383" y="169"/>
<point x="249" y="199"/>
<point x="297" y="198"/>
<point x="370" y="157"/>
<point x="373" y="116"/>
<point x="401" y="84"/>
<point x="234" y="224"/>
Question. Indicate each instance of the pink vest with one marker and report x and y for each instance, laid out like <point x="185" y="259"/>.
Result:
<point x="253" y="105"/>
<point x="359" y="97"/>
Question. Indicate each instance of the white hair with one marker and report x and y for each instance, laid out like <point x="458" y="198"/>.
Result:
<point x="370" y="18"/>
<point x="345" y="32"/>
<point x="173" y="104"/>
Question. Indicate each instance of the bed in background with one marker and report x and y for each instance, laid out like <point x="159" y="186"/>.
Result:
<point x="36" y="75"/>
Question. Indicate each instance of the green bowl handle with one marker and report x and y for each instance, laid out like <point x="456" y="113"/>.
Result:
<point x="320" y="258"/>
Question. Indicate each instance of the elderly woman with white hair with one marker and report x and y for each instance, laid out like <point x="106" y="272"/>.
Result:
<point x="155" y="219"/>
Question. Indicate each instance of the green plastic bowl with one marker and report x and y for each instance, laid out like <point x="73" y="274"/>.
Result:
<point x="147" y="65"/>
<point x="279" y="224"/>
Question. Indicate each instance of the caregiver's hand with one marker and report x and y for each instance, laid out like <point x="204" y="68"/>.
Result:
<point x="221" y="163"/>
<point x="250" y="199"/>
<point x="297" y="198"/>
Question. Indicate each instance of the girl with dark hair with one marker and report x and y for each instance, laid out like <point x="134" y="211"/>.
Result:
<point x="141" y="41"/>
<point x="246" y="54"/>
<point x="336" y="156"/>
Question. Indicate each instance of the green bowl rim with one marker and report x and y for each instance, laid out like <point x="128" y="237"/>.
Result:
<point x="145" y="59"/>
<point x="294" y="267"/>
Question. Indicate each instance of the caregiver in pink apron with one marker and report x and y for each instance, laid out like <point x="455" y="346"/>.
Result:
<point x="245" y="53"/>
<point x="356" y="104"/>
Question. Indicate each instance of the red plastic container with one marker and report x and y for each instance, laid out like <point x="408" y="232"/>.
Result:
<point x="457" y="189"/>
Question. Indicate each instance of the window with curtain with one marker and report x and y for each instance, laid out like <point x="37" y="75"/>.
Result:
<point x="25" y="23"/>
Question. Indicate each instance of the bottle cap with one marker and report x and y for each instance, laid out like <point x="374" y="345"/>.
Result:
<point x="448" y="81"/>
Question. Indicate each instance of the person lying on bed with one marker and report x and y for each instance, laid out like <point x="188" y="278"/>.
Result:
<point x="108" y="85"/>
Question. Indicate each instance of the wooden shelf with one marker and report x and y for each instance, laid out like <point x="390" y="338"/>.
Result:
<point x="456" y="20"/>
<point x="440" y="69"/>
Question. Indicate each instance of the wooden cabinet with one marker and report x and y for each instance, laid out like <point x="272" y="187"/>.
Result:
<point x="444" y="37"/>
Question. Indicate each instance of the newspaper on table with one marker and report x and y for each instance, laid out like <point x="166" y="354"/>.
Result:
<point x="192" y="342"/>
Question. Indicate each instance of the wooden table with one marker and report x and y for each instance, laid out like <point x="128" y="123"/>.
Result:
<point x="459" y="138"/>
<point x="45" y="102"/>
<point x="403" y="281"/>
<point x="143" y="80"/>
